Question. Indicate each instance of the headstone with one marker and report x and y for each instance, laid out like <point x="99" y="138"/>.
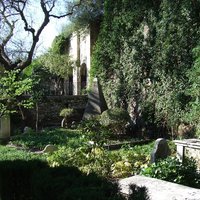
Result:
<point x="50" y="149"/>
<point x="5" y="127"/>
<point x="161" y="150"/>
<point x="96" y="102"/>
<point x="27" y="130"/>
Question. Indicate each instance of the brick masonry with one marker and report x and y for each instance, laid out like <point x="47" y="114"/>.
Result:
<point x="49" y="110"/>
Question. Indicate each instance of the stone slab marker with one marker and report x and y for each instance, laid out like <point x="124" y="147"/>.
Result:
<point x="4" y="127"/>
<point x="188" y="148"/>
<point x="96" y="103"/>
<point x="161" y="150"/>
<point x="50" y="148"/>
<point x="159" y="189"/>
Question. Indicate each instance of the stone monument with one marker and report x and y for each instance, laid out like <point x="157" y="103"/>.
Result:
<point x="161" y="150"/>
<point x="50" y="148"/>
<point x="5" y="127"/>
<point x="96" y="103"/>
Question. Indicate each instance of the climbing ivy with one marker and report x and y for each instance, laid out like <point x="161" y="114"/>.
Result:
<point x="193" y="90"/>
<point x="143" y="55"/>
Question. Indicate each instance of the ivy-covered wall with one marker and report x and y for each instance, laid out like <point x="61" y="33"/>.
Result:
<point x="143" y="56"/>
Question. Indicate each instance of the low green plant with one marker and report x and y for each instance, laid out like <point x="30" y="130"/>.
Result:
<point x="172" y="170"/>
<point x="92" y="158"/>
<point x="84" y="149"/>
<point x="11" y="154"/>
<point x="87" y="159"/>
<point x="39" y="140"/>
<point x="94" y="131"/>
<point x="130" y="160"/>
<point x="115" y="119"/>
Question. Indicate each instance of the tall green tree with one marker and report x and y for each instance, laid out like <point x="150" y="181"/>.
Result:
<point x="12" y="88"/>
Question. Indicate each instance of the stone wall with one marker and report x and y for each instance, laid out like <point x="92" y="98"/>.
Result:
<point x="49" y="110"/>
<point x="188" y="148"/>
<point x="193" y="153"/>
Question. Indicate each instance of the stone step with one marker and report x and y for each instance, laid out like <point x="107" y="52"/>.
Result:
<point x="159" y="189"/>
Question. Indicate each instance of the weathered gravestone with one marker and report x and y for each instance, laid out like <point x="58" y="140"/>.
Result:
<point x="50" y="148"/>
<point x="5" y="127"/>
<point x="27" y="130"/>
<point x="161" y="150"/>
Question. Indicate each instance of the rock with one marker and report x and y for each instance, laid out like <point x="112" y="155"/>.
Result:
<point x="50" y="149"/>
<point x="27" y="130"/>
<point x="159" y="189"/>
<point x="161" y="150"/>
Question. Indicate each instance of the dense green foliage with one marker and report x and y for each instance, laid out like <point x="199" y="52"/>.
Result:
<point x="90" y="154"/>
<point x="85" y="149"/>
<point x="61" y="137"/>
<point x="11" y="154"/>
<point x="142" y="58"/>
<point x="57" y="64"/>
<point x="194" y="91"/>
<point x="115" y="119"/>
<point x="88" y="158"/>
<point x="57" y="60"/>
<point x="13" y="86"/>
<point x="94" y="131"/>
<point x="172" y="170"/>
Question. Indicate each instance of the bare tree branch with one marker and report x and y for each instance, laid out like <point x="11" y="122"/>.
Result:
<point x="19" y="9"/>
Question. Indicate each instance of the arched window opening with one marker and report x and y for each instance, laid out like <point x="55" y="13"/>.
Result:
<point x="83" y="76"/>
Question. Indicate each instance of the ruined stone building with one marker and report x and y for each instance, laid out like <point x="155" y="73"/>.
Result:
<point x="80" y="50"/>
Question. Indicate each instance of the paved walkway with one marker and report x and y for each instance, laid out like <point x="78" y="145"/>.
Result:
<point x="160" y="190"/>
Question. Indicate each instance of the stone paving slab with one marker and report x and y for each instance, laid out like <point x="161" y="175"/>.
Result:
<point x="159" y="189"/>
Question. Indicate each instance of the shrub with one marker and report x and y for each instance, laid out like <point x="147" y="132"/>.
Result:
<point x="172" y="170"/>
<point x="94" y="131"/>
<point x="8" y="153"/>
<point x="48" y="136"/>
<point x="66" y="113"/>
<point x="92" y="158"/>
<point x="88" y="159"/>
<point x="115" y="119"/>
<point x="130" y="160"/>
